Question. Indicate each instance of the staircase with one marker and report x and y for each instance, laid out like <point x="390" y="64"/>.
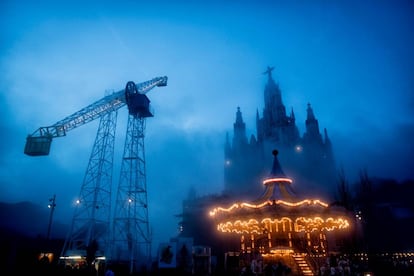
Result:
<point x="303" y="265"/>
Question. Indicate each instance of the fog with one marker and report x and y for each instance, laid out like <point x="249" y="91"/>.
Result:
<point x="353" y="61"/>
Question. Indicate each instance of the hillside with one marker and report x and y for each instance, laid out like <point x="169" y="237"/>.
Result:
<point x="29" y="220"/>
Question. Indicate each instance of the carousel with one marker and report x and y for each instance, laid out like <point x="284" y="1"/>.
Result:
<point x="279" y="222"/>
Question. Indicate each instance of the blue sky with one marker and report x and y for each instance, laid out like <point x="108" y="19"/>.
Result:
<point x="352" y="60"/>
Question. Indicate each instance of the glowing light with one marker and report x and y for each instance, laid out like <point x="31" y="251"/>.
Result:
<point x="281" y="251"/>
<point x="71" y="257"/>
<point x="318" y="223"/>
<point x="301" y="224"/>
<point x="277" y="179"/>
<point x="271" y="221"/>
<point x="298" y="148"/>
<point x="315" y="202"/>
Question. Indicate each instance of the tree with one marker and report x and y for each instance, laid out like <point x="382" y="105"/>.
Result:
<point x="90" y="252"/>
<point x="344" y="194"/>
<point x="365" y="206"/>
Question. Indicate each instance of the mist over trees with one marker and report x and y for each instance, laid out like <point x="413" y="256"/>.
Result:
<point x="382" y="208"/>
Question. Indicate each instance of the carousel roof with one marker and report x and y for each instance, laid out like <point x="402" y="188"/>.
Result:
<point x="279" y="203"/>
<point x="278" y="185"/>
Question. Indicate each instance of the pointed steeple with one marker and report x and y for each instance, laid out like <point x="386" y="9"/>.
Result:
<point x="239" y="137"/>
<point x="312" y="134"/>
<point x="274" y="112"/>
<point x="239" y="118"/>
<point x="276" y="168"/>
<point x="310" y="115"/>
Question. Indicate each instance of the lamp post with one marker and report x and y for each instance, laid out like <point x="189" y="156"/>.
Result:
<point x="52" y="206"/>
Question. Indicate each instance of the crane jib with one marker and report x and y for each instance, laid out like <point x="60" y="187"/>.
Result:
<point x="39" y="142"/>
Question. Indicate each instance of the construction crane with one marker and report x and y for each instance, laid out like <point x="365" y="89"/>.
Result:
<point x="92" y="235"/>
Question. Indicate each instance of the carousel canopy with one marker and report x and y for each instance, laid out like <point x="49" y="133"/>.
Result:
<point x="279" y="204"/>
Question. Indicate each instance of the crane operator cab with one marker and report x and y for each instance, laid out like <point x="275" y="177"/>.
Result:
<point x="138" y="104"/>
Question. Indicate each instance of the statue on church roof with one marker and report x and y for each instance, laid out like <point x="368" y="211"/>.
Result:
<point x="269" y="71"/>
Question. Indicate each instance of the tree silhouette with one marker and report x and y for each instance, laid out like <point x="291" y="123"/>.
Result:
<point x="344" y="196"/>
<point x="90" y="252"/>
<point x="365" y="206"/>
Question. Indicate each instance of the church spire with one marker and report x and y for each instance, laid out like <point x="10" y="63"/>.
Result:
<point x="274" y="111"/>
<point x="239" y="119"/>
<point x="239" y="138"/>
<point x="312" y="134"/>
<point x="309" y="111"/>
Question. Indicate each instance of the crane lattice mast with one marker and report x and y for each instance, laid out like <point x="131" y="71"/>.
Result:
<point x="91" y="235"/>
<point x="131" y="234"/>
<point x="89" y="232"/>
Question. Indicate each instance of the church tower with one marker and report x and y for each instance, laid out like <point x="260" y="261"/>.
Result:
<point x="275" y="126"/>
<point x="239" y="170"/>
<point x="309" y="158"/>
<point x="317" y="152"/>
<point x="239" y="138"/>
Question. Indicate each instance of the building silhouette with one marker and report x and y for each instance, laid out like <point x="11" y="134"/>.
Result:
<point x="308" y="158"/>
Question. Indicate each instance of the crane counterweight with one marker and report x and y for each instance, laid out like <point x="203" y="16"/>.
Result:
<point x="37" y="146"/>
